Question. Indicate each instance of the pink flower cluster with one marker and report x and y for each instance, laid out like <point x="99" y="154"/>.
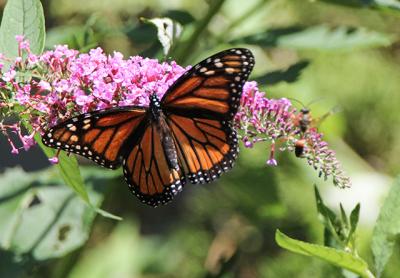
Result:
<point x="71" y="83"/>
<point x="43" y="90"/>
<point x="274" y="120"/>
<point x="61" y="83"/>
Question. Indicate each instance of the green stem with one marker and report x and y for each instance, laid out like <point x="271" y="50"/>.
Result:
<point x="187" y="48"/>
<point x="369" y="274"/>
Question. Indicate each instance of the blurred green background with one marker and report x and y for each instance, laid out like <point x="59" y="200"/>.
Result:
<point x="341" y="53"/>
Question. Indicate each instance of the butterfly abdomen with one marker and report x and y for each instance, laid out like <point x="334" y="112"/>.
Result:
<point x="168" y="143"/>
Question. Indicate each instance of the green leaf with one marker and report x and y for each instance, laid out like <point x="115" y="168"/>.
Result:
<point x="343" y="216"/>
<point x="289" y="75"/>
<point x="378" y="4"/>
<point x="183" y="17"/>
<point x="68" y="168"/>
<point x="387" y="228"/>
<point x="336" y="257"/>
<point x="338" y="38"/>
<point x="319" y="37"/>
<point x="71" y="174"/>
<point x="78" y="37"/>
<point x="269" y="38"/>
<point x="322" y="208"/>
<point x="14" y="184"/>
<point x="22" y="17"/>
<point x="350" y="3"/>
<point x="168" y="31"/>
<point x="394" y="4"/>
<point x="329" y="219"/>
<point x="40" y="218"/>
<point x="354" y="217"/>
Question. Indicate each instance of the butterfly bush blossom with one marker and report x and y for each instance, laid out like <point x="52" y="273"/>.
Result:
<point x="274" y="120"/>
<point x="45" y="89"/>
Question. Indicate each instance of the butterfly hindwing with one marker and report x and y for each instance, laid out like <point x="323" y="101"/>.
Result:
<point x="147" y="171"/>
<point x="99" y="136"/>
<point x="206" y="148"/>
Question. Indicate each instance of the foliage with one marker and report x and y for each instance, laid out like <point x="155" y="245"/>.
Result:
<point x="339" y="240"/>
<point x="321" y="37"/>
<point x="22" y="17"/>
<point x="386" y="229"/>
<point x="65" y="221"/>
<point x="67" y="165"/>
<point x="337" y="257"/>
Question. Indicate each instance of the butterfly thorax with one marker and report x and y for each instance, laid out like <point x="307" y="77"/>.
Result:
<point x="155" y="107"/>
<point x="157" y="117"/>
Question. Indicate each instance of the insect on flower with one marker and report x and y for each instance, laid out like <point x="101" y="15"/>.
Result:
<point x="304" y="122"/>
<point x="299" y="146"/>
<point x="185" y="136"/>
<point x="303" y="119"/>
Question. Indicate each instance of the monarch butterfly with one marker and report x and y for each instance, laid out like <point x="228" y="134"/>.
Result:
<point x="185" y="136"/>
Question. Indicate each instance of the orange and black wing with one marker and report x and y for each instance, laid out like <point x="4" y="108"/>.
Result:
<point x="200" y="107"/>
<point x="101" y="136"/>
<point x="212" y="88"/>
<point x="147" y="170"/>
<point x="206" y="148"/>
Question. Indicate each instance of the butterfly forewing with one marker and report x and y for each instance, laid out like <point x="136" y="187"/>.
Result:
<point x="212" y="88"/>
<point x="99" y="136"/>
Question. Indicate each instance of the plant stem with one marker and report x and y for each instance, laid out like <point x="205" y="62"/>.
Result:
<point x="182" y="53"/>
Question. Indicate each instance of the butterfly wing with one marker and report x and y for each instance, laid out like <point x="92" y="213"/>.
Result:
<point x="205" y="147"/>
<point x="212" y="88"/>
<point x="147" y="170"/>
<point x="200" y="107"/>
<point x="100" y="136"/>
